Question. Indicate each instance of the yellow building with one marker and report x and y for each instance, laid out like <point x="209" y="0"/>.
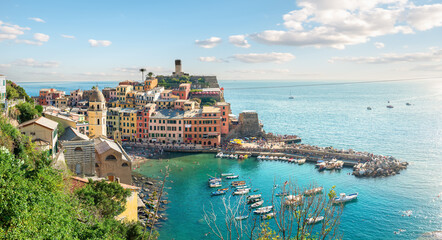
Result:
<point x="150" y="84"/>
<point x="130" y="214"/>
<point x="97" y="112"/>
<point x="139" y="87"/>
<point x="128" y="124"/>
<point x="122" y="90"/>
<point x="61" y="102"/>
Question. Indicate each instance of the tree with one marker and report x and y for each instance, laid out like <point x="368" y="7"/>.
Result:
<point x="293" y="217"/>
<point x="27" y="111"/>
<point x="39" y="109"/>
<point x="109" y="199"/>
<point x="150" y="74"/>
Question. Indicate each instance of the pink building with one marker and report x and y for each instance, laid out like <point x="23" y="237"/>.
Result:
<point x="166" y="126"/>
<point x="143" y="117"/>
<point x="225" y="111"/>
<point x="75" y="97"/>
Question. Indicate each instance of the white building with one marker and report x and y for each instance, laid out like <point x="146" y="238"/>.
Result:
<point x="2" y="88"/>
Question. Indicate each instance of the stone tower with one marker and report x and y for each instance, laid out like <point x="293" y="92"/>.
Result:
<point x="97" y="114"/>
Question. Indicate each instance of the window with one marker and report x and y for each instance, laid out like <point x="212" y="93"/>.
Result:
<point x="78" y="149"/>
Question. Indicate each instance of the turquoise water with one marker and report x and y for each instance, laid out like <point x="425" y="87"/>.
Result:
<point x="329" y="116"/>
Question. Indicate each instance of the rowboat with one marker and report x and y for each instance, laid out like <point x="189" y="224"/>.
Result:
<point x="257" y="204"/>
<point x="223" y="189"/>
<point x="301" y="161"/>
<point x="242" y="191"/>
<point x="239" y="218"/>
<point x="215" y="185"/>
<point x="232" y="177"/>
<point x="268" y="216"/>
<point x="313" y="191"/>
<point x="314" y="220"/>
<point x="253" y="200"/>
<point x="263" y="210"/>
<point x="238" y="183"/>
<point x="240" y="187"/>
<point x="345" y="198"/>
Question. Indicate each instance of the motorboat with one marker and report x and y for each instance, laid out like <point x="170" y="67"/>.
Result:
<point x="268" y="216"/>
<point x="263" y="210"/>
<point x="319" y="163"/>
<point x="408" y="104"/>
<point x="313" y="191"/>
<point x="291" y="200"/>
<point x="301" y="161"/>
<point x="226" y="174"/>
<point x="238" y="183"/>
<point x="242" y="191"/>
<point x="223" y="189"/>
<point x="232" y="177"/>
<point x="254" y="196"/>
<point x="253" y="200"/>
<point x="235" y="156"/>
<point x="219" y="155"/>
<point x="390" y="106"/>
<point x="241" y="187"/>
<point x="259" y="157"/>
<point x="345" y="198"/>
<point x="257" y="204"/>
<point x="232" y="156"/>
<point x="214" y="179"/>
<point x="215" y="185"/>
<point x="314" y="220"/>
<point x="239" y="218"/>
<point x="369" y="108"/>
<point x="217" y="193"/>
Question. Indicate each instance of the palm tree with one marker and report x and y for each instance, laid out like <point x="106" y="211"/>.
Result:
<point x="150" y="74"/>
<point x="142" y="70"/>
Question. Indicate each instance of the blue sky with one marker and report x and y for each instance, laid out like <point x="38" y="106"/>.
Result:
<point x="240" y="40"/>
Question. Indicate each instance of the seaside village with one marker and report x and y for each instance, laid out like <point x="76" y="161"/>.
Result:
<point x="165" y="113"/>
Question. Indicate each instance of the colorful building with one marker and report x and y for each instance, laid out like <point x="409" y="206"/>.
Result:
<point x="113" y="121"/>
<point x="150" y="84"/>
<point x="122" y="90"/>
<point x="143" y="116"/>
<point x="97" y="112"/>
<point x="225" y="111"/>
<point x="43" y="132"/>
<point x="110" y="94"/>
<point x="128" y="124"/>
<point x="166" y="126"/>
<point x="75" y="97"/>
<point x="183" y="91"/>
<point x="47" y="96"/>
<point x="203" y="126"/>
<point x="2" y="88"/>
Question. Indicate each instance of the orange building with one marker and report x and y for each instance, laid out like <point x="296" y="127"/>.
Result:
<point x="203" y="126"/>
<point x="150" y="84"/>
<point x="183" y="91"/>
<point x="225" y="111"/>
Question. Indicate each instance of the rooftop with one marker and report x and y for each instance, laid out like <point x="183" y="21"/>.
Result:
<point x="168" y="114"/>
<point x="72" y="134"/>
<point x="42" y="121"/>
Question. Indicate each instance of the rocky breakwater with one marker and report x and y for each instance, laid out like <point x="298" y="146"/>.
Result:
<point x="379" y="167"/>
<point x="149" y="194"/>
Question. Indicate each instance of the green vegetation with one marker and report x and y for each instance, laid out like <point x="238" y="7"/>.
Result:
<point x="208" y="101"/>
<point x="27" y="111"/>
<point x="196" y="90"/>
<point x="14" y="92"/>
<point x="35" y="201"/>
<point x="172" y="82"/>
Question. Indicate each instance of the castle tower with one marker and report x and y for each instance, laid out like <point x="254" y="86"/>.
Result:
<point x="97" y="114"/>
<point x="178" y="69"/>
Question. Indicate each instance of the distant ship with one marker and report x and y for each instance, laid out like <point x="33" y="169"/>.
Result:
<point x="291" y="97"/>
<point x="390" y="106"/>
<point x="408" y="104"/>
<point x="368" y="108"/>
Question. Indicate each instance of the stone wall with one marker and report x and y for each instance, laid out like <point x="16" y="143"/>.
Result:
<point x="80" y="156"/>
<point x="248" y="126"/>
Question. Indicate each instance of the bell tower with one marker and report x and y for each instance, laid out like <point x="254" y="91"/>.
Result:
<point x="97" y="112"/>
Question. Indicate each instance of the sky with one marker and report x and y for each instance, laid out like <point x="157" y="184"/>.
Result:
<point x="350" y="40"/>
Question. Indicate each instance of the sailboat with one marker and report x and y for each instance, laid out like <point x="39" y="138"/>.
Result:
<point x="291" y="97"/>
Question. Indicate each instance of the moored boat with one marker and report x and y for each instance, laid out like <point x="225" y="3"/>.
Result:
<point x="215" y="185"/>
<point x="242" y="191"/>
<point x="239" y="218"/>
<point x="257" y="204"/>
<point x="232" y="177"/>
<point x="301" y="161"/>
<point x="226" y="174"/>
<point x="217" y="193"/>
<point x="238" y="183"/>
<point x="223" y="189"/>
<point x="253" y="200"/>
<point x="314" y="220"/>
<point x="254" y="196"/>
<point x="313" y="191"/>
<point x="268" y="216"/>
<point x="281" y="194"/>
<point x="291" y="200"/>
<point x="345" y="198"/>
<point x="263" y="210"/>
<point x="219" y="155"/>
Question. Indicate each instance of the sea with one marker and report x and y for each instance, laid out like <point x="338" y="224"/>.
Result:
<point x="398" y="207"/>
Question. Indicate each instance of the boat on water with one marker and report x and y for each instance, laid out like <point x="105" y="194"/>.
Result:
<point x="390" y="106"/>
<point x="408" y="104"/>
<point x="257" y="204"/>
<point x="232" y="177"/>
<point x="314" y="220"/>
<point x="319" y="163"/>
<point x="241" y="187"/>
<point x="239" y="218"/>
<point x="369" y="108"/>
<point x="253" y="200"/>
<point x="345" y="198"/>
<point x="263" y="210"/>
<point x="291" y="96"/>
<point x="226" y="174"/>
<point x="313" y="191"/>
<point x="238" y="183"/>
<point x="254" y="196"/>
<point x="223" y="189"/>
<point x="215" y="185"/>
<point x="293" y="200"/>
<point x="219" y="155"/>
<point x="217" y="193"/>
<point x="242" y="191"/>
<point x="268" y="216"/>
<point x="215" y="179"/>
<point x="301" y="161"/>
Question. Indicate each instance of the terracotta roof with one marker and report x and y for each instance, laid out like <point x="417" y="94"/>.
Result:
<point x="42" y="121"/>
<point x="125" y="186"/>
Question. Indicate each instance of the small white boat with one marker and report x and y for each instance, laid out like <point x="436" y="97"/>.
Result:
<point x="301" y="161"/>
<point x="231" y="156"/>
<point x="292" y="200"/>
<point x="212" y="180"/>
<point x="232" y="177"/>
<point x="259" y="157"/>
<point x="219" y="155"/>
<point x="254" y="196"/>
<point x="239" y="218"/>
<point x="263" y="210"/>
<point x="235" y="156"/>
<point x="241" y="187"/>
<point x="268" y="216"/>
<point x="215" y="185"/>
<point x="257" y="204"/>
<point x="242" y="191"/>
<point x="314" y="220"/>
<point x="345" y="198"/>
<point x="226" y="174"/>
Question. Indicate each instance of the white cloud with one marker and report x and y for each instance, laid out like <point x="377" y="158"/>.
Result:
<point x="379" y="45"/>
<point x="264" y="57"/>
<point x="425" y="17"/>
<point x="99" y="43"/>
<point x="338" y="23"/>
<point x="5" y="65"/>
<point x="211" y="59"/>
<point x="10" y="31"/>
<point x="208" y="43"/>
<point x="41" y="37"/>
<point x="68" y="36"/>
<point x="37" y="19"/>
<point x="432" y="55"/>
<point x="30" y="62"/>
<point x="239" y="41"/>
